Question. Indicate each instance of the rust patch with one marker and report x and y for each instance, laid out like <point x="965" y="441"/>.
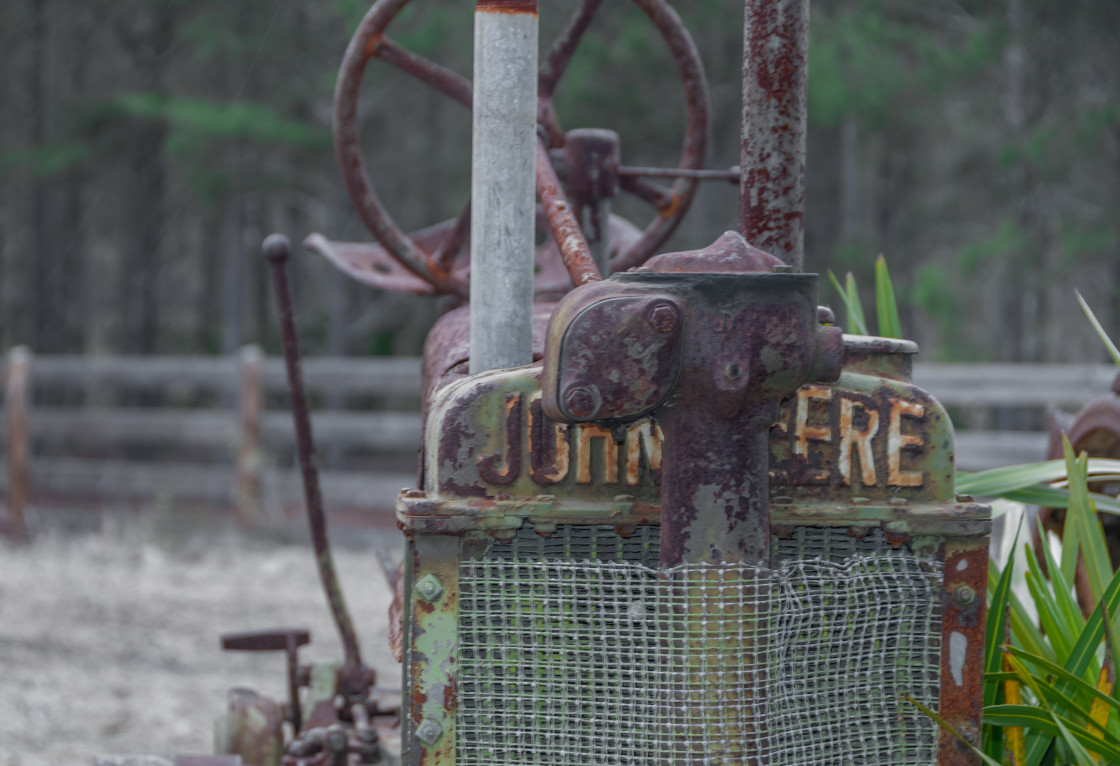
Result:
<point x="963" y="617"/>
<point x="782" y="531"/>
<point x="504" y="469"/>
<point x="896" y="539"/>
<point x="507" y="6"/>
<point x="373" y="44"/>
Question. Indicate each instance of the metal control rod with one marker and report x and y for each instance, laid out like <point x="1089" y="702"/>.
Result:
<point x="276" y="248"/>
<point x="503" y="181"/>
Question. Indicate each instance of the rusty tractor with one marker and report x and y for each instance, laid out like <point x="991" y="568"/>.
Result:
<point x="667" y="512"/>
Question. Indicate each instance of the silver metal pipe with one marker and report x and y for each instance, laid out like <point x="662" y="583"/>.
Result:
<point x="503" y="183"/>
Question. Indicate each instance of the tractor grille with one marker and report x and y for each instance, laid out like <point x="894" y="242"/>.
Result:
<point x="575" y="649"/>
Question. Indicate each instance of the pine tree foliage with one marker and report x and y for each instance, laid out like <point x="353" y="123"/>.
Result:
<point x="975" y="144"/>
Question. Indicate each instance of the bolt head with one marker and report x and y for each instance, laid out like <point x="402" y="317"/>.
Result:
<point x="581" y="401"/>
<point x="663" y="317"/>
<point x="429" y="732"/>
<point x="964" y="595"/>
<point x="429" y="588"/>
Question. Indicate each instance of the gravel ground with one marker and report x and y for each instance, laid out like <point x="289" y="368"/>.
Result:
<point x="109" y="640"/>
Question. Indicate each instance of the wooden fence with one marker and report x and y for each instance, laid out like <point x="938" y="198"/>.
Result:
<point x="218" y="431"/>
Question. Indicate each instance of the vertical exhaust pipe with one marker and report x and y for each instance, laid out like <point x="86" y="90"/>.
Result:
<point x="775" y="106"/>
<point x="503" y="183"/>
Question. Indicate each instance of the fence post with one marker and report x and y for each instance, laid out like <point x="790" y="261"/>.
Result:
<point x="248" y="456"/>
<point x="14" y="525"/>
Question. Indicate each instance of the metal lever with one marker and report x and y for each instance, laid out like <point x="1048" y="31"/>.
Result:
<point x="287" y="640"/>
<point x="276" y="248"/>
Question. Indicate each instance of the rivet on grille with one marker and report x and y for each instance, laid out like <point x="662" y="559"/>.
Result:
<point x="429" y="588"/>
<point x="429" y="732"/>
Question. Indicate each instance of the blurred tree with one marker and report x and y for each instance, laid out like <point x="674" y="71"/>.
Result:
<point x="147" y="145"/>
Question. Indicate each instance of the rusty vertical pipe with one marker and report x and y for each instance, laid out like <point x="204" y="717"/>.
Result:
<point x="775" y="105"/>
<point x="503" y="210"/>
<point x="276" y="248"/>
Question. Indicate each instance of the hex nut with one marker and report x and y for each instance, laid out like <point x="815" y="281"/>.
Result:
<point x="581" y="401"/>
<point x="429" y="732"/>
<point x="429" y="588"/>
<point x="663" y="317"/>
<point x="964" y="595"/>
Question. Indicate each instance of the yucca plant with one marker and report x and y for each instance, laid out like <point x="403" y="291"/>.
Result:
<point x="1049" y="686"/>
<point x="886" y="307"/>
<point x="1049" y="690"/>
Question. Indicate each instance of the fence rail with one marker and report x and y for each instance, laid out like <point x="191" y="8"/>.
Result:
<point x="95" y="449"/>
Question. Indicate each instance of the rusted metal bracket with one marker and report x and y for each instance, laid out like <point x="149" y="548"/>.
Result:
<point x="710" y="356"/>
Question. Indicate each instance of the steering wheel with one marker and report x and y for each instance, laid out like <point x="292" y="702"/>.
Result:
<point x="432" y="260"/>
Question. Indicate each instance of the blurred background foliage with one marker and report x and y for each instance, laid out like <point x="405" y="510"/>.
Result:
<point x="146" y="147"/>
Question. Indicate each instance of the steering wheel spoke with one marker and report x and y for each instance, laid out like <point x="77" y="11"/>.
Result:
<point x="664" y="198"/>
<point x="444" y="256"/>
<point x="436" y="264"/>
<point x="441" y="78"/>
<point x="556" y="62"/>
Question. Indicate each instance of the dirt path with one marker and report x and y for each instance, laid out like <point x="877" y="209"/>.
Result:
<point x="109" y="641"/>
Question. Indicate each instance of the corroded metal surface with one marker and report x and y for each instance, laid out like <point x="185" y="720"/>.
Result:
<point x="432" y="571"/>
<point x="253" y="729"/>
<point x="573" y="472"/>
<point x="873" y="436"/>
<point x="287" y="641"/>
<point x="775" y="99"/>
<point x="727" y="345"/>
<point x="561" y="219"/>
<point x="591" y="161"/>
<point x="963" y="617"/>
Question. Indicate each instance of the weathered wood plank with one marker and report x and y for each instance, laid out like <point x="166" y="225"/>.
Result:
<point x="78" y="428"/>
<point x="1014" y="385"/>
<point x="981" y="450"/>
<point x="389" y="376"/>
<point x="122" y="480"/>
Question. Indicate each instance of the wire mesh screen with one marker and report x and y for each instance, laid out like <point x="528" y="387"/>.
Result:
<point x="568" y="659"/>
